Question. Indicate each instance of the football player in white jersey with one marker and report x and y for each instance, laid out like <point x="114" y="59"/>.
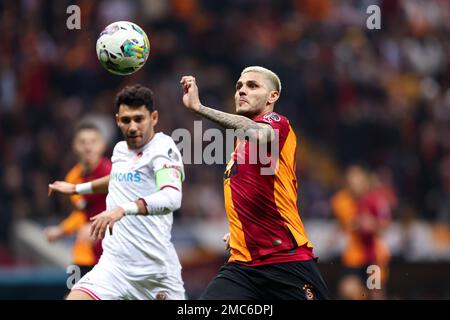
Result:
<point x="139" y="260"/>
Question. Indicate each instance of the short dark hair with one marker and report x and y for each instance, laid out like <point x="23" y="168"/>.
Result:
<point x="86" y="126"/>
<point x="135" y="96"/>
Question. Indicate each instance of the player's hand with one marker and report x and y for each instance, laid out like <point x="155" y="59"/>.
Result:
<point x="226" y="239"/>
<point x="61" y="186"/>
<point x="190" y="93"/>
<point x="53" y="233"/>
<point x="103" y="220"/>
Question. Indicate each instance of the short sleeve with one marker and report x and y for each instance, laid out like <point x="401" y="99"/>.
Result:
<point x="169" y="157"/>
<point x="277" y="122"/>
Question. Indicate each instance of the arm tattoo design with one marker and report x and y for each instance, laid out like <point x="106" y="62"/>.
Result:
<point x="247" y="126"/>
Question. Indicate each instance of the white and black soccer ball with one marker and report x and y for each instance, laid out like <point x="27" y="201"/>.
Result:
<point x="122" y="47"/>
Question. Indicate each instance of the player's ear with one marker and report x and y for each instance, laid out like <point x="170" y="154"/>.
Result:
<point x="154" y="117"/>
<point x="273" y="97"/>
<point x="117" y="119"/>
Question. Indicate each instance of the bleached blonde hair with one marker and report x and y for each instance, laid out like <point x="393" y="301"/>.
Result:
<point x="272" y="76"/>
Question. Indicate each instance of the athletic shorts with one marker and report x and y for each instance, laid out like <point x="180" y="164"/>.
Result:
<point x="109" y="281"/>
<point x="298" y="280"/>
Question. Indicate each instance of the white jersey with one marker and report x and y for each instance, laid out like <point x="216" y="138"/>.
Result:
<point x="141" y="243"/>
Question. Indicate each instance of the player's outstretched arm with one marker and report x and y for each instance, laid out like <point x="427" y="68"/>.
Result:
<point x="260" y="131"/>
<point x="96" y="186"/>
<point x="53" y="233"/>
<point x="69" y="225"/>
<point x="62" y="187"/>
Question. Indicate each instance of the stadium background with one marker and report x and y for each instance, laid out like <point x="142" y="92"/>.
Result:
<point x="352" y="94"/>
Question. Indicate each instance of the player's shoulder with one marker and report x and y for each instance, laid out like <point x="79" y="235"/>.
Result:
<point x="162" y="138"/>
<point x="120" y="146"/>
<point x="277" y="122"/>
<point x="105" y="164"/>
<point x="160" y="143"/>
<point x="163" y="146"/>
<point x="120" y="151"/>
<point x="272" y="117"/>
<point x="105" y="160"/>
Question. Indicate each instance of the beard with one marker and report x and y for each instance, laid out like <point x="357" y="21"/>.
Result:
<point x="246" y="112"/>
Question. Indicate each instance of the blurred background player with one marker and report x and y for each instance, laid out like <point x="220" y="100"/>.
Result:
<point x="363" y="210"/>
<point x="89" y="145"/>
<point x="139" y="260"/>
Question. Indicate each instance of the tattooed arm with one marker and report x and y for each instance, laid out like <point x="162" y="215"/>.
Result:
<point x="243" y="125"/>
<point x="248" y="127"/>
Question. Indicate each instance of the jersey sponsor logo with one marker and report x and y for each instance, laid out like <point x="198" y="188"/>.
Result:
<point x="272" y="116"/>
<point x="133" y="176"/>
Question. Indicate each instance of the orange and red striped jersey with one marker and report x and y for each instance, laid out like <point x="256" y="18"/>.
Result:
<point x="265" y="225"/>
<point x="85" y="252"/>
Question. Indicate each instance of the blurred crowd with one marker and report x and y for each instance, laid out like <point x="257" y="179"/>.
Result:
<point x="352" y="94"/>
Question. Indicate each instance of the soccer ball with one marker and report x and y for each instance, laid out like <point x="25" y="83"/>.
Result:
<point x="122" y="48"/>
